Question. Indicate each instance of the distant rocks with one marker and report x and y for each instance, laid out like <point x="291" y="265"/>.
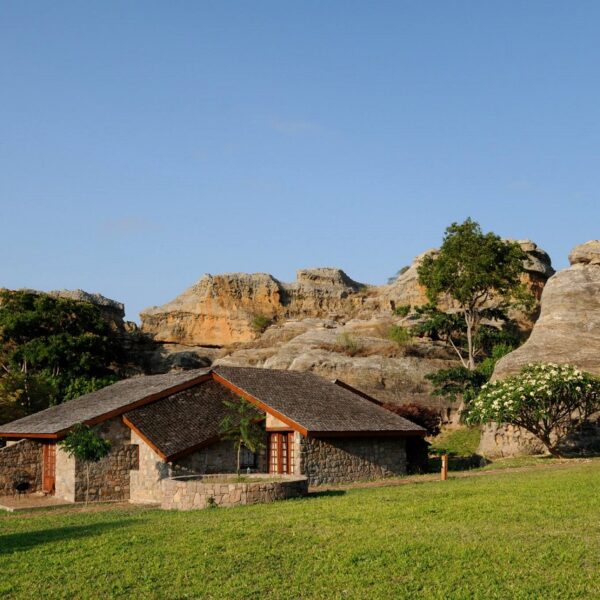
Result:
<point x="586" y="254"/>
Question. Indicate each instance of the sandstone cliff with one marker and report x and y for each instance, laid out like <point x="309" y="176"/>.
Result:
<point x="222" y="309"/>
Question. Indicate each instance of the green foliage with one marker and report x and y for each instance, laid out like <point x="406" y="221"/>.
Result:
<point x="242" y="425"/>
<point x="403" y="310"/>
<point x="400" y="335"/>
<point x="84" y="443"/>
<point x="79" y="386"/>
<point x="49" y="347"/>
<point x="550" y="401"/>
<point x="472" y="268"/>
<point x="462" y="442"/>
<point x="260" y="323"/>
<point x="459" y="382"/>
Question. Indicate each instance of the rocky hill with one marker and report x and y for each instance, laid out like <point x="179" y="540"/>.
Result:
<point x="324" y="321"/>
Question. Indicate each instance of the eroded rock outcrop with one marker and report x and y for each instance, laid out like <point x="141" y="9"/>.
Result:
<point x="567" y="332"/>
<point x="222" y="309"/>
<point x="568" y="328"/>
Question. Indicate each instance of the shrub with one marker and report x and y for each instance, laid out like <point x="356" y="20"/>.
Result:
<point x="260" y="323"/>
<point x="400" y="335"/>
<point x="428" y="418"/>
<point x="403" y="310"/>
<point x="347" y="344"/>
<point x="548" y="400"/>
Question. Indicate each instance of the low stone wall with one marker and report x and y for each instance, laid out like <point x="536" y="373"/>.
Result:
<point x="186" y="493"/>
<point x="23" y="457"/>
<point x="343" y="460"/>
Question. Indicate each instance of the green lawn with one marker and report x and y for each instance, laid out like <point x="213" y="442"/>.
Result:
<point x="510" y="535"/>
<point x="463" y="441"/>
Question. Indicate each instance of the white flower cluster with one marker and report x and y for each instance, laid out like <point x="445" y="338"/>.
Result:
<point x="535" y="388"/>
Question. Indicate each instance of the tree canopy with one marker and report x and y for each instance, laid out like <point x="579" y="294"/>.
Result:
<point x="51" y="349"/>
<point x="481" y="275"/>
<point x="548" y="400"/>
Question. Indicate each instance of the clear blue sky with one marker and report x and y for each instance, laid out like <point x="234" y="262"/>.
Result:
<point x="145" y="143"/>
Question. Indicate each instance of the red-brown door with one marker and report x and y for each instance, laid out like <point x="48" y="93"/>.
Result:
<point x="49" y="468"/>
<point x="281" y="453"/>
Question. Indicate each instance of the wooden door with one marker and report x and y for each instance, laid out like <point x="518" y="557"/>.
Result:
<point x="49" y="468"/>
<point x="281" y="453"/>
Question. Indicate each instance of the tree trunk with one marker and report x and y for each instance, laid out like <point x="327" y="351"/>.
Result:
<point x="87" y="483"/>
<point x="471" y="361"/>
<point x="239" y="457"/>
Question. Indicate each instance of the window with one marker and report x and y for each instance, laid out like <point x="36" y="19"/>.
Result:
<point x="247" y="459"/>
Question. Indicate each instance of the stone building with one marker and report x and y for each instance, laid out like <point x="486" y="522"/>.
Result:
<point x="162" y="426"/>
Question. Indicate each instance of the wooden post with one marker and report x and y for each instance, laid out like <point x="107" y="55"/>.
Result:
<point x="444" y="474"/>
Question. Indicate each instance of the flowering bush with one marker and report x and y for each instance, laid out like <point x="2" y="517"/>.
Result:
<point x="550" y="401"/>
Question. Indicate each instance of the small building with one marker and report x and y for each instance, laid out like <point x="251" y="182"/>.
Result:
<point x="163" y="426"/>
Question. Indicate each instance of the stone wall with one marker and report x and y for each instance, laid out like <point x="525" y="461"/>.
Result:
<point x="23" y="457"/>
<point x="183" y="493"/>
<point x="343" y="460"/>
<point x="109" y="478"/>
<point x="146" y="482"/>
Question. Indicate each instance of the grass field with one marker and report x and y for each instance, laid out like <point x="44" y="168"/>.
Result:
<point x="510" y="535"/>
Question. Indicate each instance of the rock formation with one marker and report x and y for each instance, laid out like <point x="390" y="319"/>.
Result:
<point x="568" y="329"/>
<point x="221" y="309"/>
<point x="567" y="332"/>
<point x="323" y="322"/>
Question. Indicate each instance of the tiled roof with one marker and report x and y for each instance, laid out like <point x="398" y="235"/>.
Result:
<point x="92" y="407"/>
<point x="315" y="404"/>
<point x="184" y="420"/>
<point x="175" y="420"/>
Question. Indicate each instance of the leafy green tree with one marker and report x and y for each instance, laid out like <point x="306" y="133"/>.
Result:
<point x="548" y="400"/>
<point x="243" y="426"/>
<point x="459" y="381"/>
<point x="472" y="269"/>
<point x="51" y="346"/>
<point x="85" y="444"/>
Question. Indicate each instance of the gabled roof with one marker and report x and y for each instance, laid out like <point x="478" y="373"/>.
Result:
<point x="184" y="421"/>
<point x="103" y="404"/>
<point x="178" y="411"/>
<point x="313" y="405"/>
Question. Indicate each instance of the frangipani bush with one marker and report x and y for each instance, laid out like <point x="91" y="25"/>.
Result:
<point x="548" y="400"/>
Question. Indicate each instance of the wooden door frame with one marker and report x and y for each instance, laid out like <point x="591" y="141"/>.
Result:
<point x="289" y="441"/>
<point x="49" y="467"/>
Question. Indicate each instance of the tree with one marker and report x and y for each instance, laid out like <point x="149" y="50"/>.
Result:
<point x="472" y="269"/>
<point x="52" y="347"/>
<point x="85" y="444"/>
<point x="242" y="425"/>
<point x="548" y="400"/>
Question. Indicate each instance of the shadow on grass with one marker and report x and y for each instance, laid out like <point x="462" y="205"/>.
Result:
<point x="18" y="542"/>
<point x="326" y="493"/>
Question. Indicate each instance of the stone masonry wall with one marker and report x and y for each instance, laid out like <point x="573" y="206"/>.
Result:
<point x="145" y="482"/>
<point x="110" y="477"/>
<point x="186" y="494"/>
<point x="343" y="460"/>
<point x="23" y="457"/>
